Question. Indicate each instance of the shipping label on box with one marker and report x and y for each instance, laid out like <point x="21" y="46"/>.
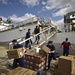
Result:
<point x="32" y="57"/>
<point x="38" y="65"/>
<point x="31" y="63"/>
<point x="43" y="63"/>
<point x="31" y="67"/>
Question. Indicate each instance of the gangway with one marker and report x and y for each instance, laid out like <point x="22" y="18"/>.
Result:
<point x="45" y="35"/>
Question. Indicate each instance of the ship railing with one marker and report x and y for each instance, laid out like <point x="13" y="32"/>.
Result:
<point x="22" y="23"/>
<point x="45" y="34"/>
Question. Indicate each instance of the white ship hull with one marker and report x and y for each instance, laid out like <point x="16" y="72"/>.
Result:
<point x="9" y="35"/>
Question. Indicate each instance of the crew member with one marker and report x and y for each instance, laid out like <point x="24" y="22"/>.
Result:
<point x="52" y="53"/>
<point x="65" y="44"/>
<point x="36" y="31"/>
<point x="19" y="61"/>
<point x="28" y="42"/>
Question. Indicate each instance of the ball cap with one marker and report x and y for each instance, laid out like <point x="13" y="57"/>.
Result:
<point x="29" y="29"/>
<point x="50" y="42"/>
<point x="14" y="40"/>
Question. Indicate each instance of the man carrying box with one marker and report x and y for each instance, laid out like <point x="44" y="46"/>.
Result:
<point x="52" y="53"/>
<point x="18" y="60"/>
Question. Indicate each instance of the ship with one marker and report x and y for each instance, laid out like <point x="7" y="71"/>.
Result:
<point x="46" y="35"/>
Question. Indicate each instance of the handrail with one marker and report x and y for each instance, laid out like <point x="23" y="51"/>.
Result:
<point x="32" y="19"/>
<point x="34" y="36"/>
<point x="47" y="28"/>
<point x="31" y="36"/>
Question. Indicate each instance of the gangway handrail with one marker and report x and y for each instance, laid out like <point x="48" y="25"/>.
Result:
<point x="34" y="36"/>
<point x="19" y="24"/>
<point x="31" y="36"/>
<point x="47" y="28"/>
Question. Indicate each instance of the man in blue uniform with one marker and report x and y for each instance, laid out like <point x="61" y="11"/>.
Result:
<point x="52" y="54"/>
<point x="36" y="31"/>
<point x="28" y="34"/>
<point x="19" y="60"/>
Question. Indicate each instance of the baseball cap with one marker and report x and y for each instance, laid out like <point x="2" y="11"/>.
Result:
<point x="14" y="40"/>
<point x="29" y="29"/>
<point x="50" y="42"/>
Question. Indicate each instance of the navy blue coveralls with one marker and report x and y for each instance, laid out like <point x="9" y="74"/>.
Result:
<point x="66" y="49"/>
<point x="51" y="55"/>
<point x="36" y="31"/>
<point x="19" y="60"/>
<point x="28" y="41"/>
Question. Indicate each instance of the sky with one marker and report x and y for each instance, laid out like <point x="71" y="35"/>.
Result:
<point x="19" y="10"/>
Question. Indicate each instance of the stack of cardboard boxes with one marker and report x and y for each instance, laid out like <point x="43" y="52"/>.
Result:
<point x="35" y="61"/>
<point x="65" y="66"/>
<point x="54" y="65"/>
<point x="22" y="71"/>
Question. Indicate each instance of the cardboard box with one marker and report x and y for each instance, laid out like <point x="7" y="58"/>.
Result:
<point x="29" y="55"/>
<point x="34" y="64"/>
<point x="41" y="52"/>
<point x="35" y="57"/>
<point x="34" y="67"/>
<point x="67" y="62"/>
<point x="66" y="65"/>
<point x="15" y="53"/>
<point x="22" y="71"/>
<point x="60" y="72"/>
<point x="54" y="64"/>
<point x="46" y="49"/>
<point x="39" y="58"/>
<point x="36" y="61"/>
<point x="39" y="69"/>
<point x="66" y="71"/>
